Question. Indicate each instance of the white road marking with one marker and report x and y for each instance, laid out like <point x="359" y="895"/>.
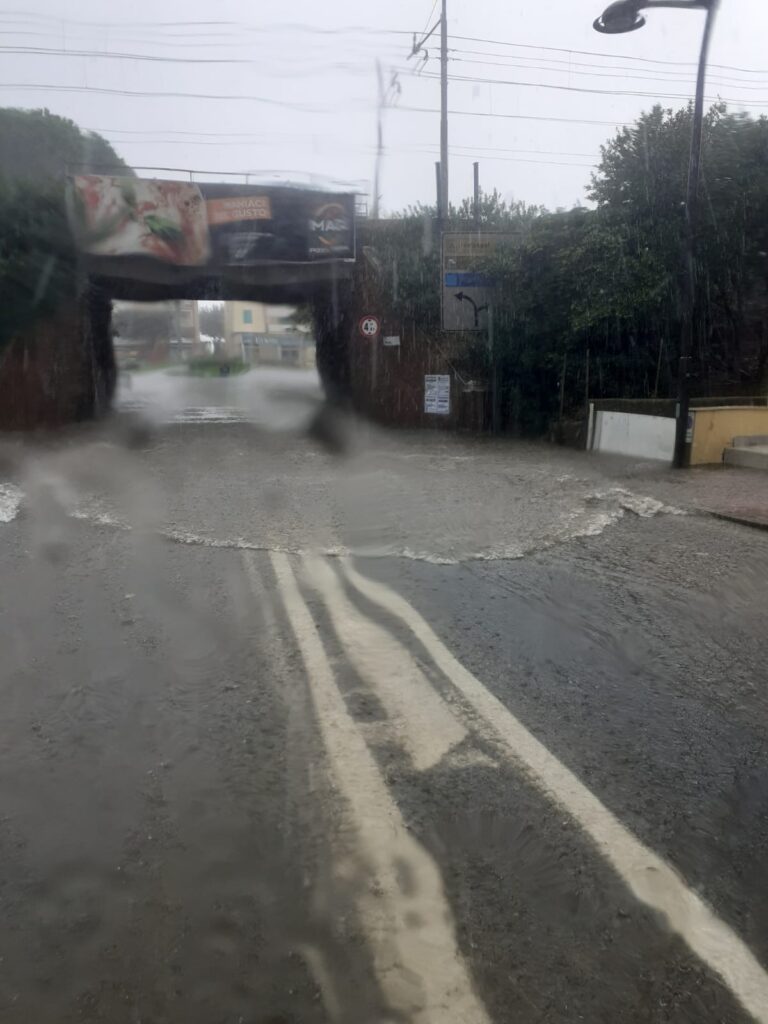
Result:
<point x="405" y="912"/>
<point x="647" y="875"/>
<point x="424" y="724"/>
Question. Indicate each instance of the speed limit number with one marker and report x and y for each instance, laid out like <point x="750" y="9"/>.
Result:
<point x="369" y="327"/>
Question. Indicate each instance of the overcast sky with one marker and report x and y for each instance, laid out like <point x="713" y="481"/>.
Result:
<point x="299" y="85"/>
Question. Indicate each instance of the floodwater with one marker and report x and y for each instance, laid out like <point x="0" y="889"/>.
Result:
<point x="404" y="727"/>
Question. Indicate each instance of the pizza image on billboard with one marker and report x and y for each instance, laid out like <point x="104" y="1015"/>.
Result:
<point x="121" y="216"/>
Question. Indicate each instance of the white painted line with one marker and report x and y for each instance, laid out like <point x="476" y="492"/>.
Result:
<point x="404" y="909"/>
<point x="649" y="877"/>
<point x="424" y="724"/>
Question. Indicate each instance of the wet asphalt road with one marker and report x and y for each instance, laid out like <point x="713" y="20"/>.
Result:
<point x="435" y="731"/>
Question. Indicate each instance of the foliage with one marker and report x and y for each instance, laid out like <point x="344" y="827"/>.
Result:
<point x="212" y="367"/>
<point x="38" y="266"/>
<point x="39" y="146"/>
<point x="212" y="320"/>
<point x="37" y="260"/>
<point x="149" y="322"/>
<point x="598" y="291"/>
<point x="406" y="255"/>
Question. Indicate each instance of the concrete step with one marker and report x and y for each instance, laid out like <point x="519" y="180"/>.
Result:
<point x="753" y="456"/>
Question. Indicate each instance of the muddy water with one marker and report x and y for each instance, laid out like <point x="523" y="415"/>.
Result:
<point x="427" y="496"/>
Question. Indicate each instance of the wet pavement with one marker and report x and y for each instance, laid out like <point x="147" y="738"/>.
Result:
<point x="436" y="730"/>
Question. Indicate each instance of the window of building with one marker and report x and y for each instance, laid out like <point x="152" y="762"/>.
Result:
<point x="247" y="316"/>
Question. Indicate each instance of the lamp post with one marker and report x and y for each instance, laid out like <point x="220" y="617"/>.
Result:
<point x="625" y="16"/>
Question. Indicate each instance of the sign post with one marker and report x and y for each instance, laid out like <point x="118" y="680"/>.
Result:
<point x="437" y="393"/>
<point x="369" y="326"/>
<point x="466" y="292"/>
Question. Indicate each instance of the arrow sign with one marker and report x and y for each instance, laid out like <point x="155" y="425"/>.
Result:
<point x="478" y="309"/>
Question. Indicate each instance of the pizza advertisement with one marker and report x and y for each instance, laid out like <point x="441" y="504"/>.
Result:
<point x="209" y="224"/>
<point x="120" y="216"/>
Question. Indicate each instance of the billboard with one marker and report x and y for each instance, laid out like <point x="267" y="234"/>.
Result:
<point x="194" y="225"/>
<point x="466" y="292"/>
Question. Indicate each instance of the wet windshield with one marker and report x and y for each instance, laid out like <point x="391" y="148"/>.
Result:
<point x="383" y="497"/>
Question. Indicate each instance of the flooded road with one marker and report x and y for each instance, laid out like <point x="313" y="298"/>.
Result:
<point x="434" y="730"/>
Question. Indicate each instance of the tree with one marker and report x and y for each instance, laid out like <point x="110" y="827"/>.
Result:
<point x="608" y="280"/>
<point x="149" y="322"/>
<point x="212" y="320"/>
<point x="41" y="147"/>
<point x="37" y="258"/>
<point x="641" y="183"/>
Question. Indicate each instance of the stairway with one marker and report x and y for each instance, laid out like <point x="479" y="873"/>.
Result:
<point x="748" y="452"/>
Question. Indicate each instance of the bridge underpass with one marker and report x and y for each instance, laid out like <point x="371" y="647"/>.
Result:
<point x="153" y="241"/>
<point x="150" y="240"/>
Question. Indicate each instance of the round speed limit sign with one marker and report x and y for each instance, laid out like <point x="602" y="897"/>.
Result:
<point x="369" y="326"/>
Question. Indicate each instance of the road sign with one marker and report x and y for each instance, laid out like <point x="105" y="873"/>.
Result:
<point x="369" y="326"/>
<point x="437" y="393"/>
<point x="391" y="341"/>
<point x="466" y="291"/>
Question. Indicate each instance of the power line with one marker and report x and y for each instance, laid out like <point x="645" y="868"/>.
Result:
<point x="238" y="27"/>
<point x="609" y="56"/>
<point x="362" y="71"/>
<point x="429" y="17"/>
<point x="461" y="150"/>
<point x="513" y="117"/>
<point x="225" y="140"/>
<point x="349" y="67"/>
<point x="138" y="94"/>
<point x="594" y="92"/>
<point x="679" y="79"/>
<point x="183" y="30"/>
<point x="569" y="64"/>
<point x="45" y="51"/>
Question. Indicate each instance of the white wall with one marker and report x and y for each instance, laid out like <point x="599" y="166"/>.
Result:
<point x="625" y="433"/>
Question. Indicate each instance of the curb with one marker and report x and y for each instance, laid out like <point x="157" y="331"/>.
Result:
<point x="729" y="517"/>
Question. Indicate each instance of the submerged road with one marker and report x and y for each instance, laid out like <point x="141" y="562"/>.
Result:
<point x="431" y="730"/>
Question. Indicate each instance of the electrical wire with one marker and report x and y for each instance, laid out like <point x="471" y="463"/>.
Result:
<point x="152" y="94"/>
<point x="681" y="79"/>
<point x="170" y="29"/>
<point x="608" y="56"/>
<point x="337" y="143"/>
<point x="593" y="92"/>
<point x="512" y="117"/>
<point x="570" y="63"/>
<point x="429" y="17"/>
<point x="349" y="67"/>
<point x="461" y="151"/>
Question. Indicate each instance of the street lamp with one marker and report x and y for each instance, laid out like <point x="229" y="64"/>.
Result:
<point x="625" y="16"/>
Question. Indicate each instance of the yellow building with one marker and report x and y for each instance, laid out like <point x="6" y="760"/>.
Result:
<point x="265" y="334"/>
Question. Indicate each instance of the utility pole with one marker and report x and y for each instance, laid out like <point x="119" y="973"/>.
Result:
<point x="386" y="96"/>
<point x="444" y="109"/>
<point x="379" y="142"/>
<point x="476" y="207"/>
<point x="419" y="48"/>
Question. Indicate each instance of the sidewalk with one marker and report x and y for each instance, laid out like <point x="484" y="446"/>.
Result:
<point x="738" y="495"/>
